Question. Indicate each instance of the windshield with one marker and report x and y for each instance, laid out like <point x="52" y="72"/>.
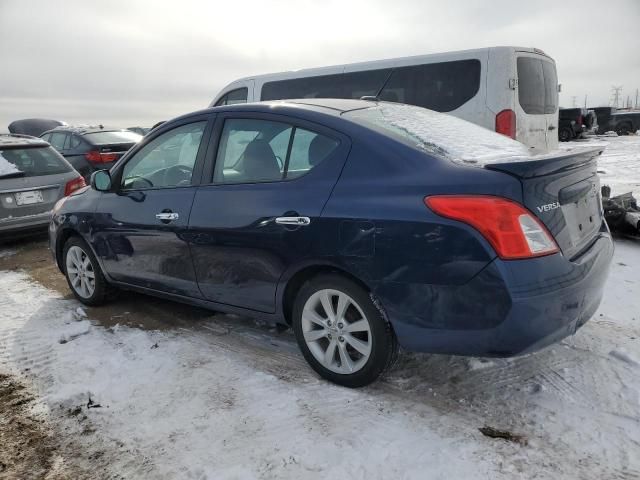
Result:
<point x="31" y="162"/>
<point x="99" y="138"/>
<point x="439" y="134"/>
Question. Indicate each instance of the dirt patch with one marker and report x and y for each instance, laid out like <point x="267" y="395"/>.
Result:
<point x="28" y="449"/>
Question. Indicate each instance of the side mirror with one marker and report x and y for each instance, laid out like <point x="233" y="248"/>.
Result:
<point x="101" y="180"/>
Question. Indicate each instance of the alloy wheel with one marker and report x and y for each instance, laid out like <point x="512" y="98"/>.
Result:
<point x="336" y="331"/>
<point x="80" y="272"/>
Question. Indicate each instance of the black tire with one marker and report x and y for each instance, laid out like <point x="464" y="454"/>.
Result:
<point x="565" y="134"/>
<point x="624" y="129"/>
<point x="384" y="346"/>
<point x="102" y="290"/>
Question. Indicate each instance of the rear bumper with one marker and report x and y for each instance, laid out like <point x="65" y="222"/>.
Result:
<point x="510" y="308"/>
<point x="17" y="225"/>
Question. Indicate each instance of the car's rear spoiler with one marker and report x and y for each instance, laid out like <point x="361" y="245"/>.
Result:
<point x="547" y="165"/>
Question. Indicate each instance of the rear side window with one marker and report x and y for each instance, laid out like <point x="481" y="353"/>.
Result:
<point x="100" y="138"/>
<point x="34" y="162"/>
<point x="442" y="87"/>
<point x="537" y="86"/>
<point x="238" y="95"/>
<point x="254" y="151"/>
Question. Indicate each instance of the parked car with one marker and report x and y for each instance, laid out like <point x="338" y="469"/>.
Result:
<point x="91" y="148"/>
<point x="361" y="224"/>
<point x="34" y="126"/>
<point x="574" y="122"/>
<point x="33" y="177"/>
<point x="140" y="130"/>
<point x="512" y="90"/>
<point x="621" y="122"/>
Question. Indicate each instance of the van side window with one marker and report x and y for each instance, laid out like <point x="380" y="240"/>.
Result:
<point x="347" y="85"/>
<point x="537" y="86"/>
<point x="254" y="151"/>
<point x="442" y="87"/>
<point x="239" y="95"/>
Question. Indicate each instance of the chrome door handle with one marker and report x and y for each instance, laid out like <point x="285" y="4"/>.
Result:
<point x="300" y="221"/>
<point x="167" y="216"/>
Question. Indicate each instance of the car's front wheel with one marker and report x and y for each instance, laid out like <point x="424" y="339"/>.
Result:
<point x="341" y="332"/>
<point x="83" y="273"/>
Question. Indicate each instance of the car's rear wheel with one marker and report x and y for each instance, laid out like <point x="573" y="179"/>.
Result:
<point x="341" y="332"/>
<point x="83" y="273"/>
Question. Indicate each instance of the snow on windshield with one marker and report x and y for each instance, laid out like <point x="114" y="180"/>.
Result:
<point x="6" y="167"/>
<point x="443" y="135"/>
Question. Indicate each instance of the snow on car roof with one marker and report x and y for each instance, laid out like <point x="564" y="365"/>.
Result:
<point x="443" y="135"/>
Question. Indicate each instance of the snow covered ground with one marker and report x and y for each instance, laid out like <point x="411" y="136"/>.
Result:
<point x="226" y="398"/>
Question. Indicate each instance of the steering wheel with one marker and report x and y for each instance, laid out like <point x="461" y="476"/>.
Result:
<point x="280" y="162"/>
<point x="177" y="174"/>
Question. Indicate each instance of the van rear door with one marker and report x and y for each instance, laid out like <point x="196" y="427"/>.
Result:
<point x="537" y="104"/>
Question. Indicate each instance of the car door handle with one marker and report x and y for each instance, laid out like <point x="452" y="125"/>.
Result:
<point x="552" y="127"/>
<point x="299" y="221"/>
<point x="167" y="216"/>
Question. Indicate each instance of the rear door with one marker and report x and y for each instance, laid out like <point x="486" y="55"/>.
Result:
<point x="272" y="178"/>
<point x="537" y="104"/>
<point x="140" y="231"/>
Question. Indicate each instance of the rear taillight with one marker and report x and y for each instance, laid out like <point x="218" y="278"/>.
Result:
<point x="580" y="120"/>
<point x="95" y="156"/>
<point x="73" y="185"/>
<point x="511" y="229"/>
<point x="506" y="123"/>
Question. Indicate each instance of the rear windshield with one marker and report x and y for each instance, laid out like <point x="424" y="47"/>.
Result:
<point x="439" y="134"/>
<point x="537" y="86"/>
<point x="31" y="162"/>
<point x="99" y="138"/>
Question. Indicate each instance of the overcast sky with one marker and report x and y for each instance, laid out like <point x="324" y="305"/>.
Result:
<point x="136" y="62"/>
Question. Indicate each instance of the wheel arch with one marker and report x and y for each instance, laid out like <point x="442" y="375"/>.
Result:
<point x="297" y="278"/>
<point x="61" y="239"/>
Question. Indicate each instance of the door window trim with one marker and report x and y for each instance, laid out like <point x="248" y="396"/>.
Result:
<point x="344" y="143"/>
<point x="118" y="169"/>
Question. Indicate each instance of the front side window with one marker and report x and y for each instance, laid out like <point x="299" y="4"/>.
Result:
<point x="253" y="151"/>
<point x="238" y="95"/>
<point x="57" y="140"/>
<point x="537" y="86"/>
<point x="166" y="161"/>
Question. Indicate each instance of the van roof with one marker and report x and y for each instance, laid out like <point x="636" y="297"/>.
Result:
<point x="313" y="71"/>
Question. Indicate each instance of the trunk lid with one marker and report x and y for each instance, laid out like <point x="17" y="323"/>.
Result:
<point x="563" y="192"/>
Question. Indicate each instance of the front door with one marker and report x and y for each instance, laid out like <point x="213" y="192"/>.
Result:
<point x="140" y="231"/>
<point x="260" y="212"/>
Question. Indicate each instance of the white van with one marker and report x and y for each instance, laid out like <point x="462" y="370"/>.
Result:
<point x="511" y="90"/>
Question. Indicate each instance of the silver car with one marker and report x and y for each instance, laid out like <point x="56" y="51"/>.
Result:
<point x="33" y="177"/>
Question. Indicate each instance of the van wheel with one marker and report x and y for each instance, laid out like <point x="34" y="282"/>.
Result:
<point x="565" y="134"/>
<point x="83" y="273"/>
<point x="623" y="129"/>
<point x="341" y="333"/>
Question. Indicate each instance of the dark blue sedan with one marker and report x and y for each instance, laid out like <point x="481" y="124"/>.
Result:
<point x="363" y="225"/>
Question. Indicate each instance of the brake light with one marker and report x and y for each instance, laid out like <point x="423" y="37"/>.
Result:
<point x="580" y="120"/>
<point x="73" y="185"/>
<point x="511" y="229"/>
<point x="506" y="123"/>
<point x="95" y="156"/>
